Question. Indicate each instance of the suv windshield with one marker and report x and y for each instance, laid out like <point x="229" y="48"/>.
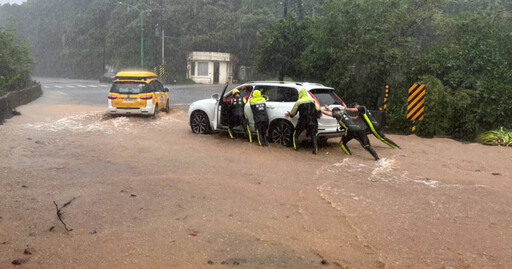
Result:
<point x="128" y="88"/>
<point x="326" y="97"/>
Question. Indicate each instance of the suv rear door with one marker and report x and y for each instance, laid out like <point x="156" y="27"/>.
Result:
<point x="327" y="96"/>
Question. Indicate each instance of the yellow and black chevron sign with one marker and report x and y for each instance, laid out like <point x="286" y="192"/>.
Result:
<point x="416" y="107"/>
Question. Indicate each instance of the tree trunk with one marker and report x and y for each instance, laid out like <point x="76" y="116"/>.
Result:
<point x="285" y="8"/>
<point x="281" y="75"/>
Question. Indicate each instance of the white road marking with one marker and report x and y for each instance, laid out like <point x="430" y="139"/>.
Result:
<point x="92" y="86"/>
<point x="56" y="86"/>
<point x="56" y="93"/>
<point x="47" y="87"/>
<point x="70" y="86"/>
<point x="82" y="86"/>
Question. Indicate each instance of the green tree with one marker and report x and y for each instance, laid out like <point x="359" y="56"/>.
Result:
<point x="15" y="62"/>
<point x="280" y="47"/>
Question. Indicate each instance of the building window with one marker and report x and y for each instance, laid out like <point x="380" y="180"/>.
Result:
<point x="193" y="69"/>
<point x="202" y="68"/>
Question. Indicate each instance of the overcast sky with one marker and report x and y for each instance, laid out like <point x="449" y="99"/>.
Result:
<point x="11" y="1"/>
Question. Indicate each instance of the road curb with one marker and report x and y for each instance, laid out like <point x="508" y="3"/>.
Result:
<point x="13" y="99"/>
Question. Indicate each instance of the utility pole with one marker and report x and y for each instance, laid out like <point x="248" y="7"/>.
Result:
<point x="104" y="49"/>
<point x="142" y="39"/>
<point x="141" y="31"/>
<point x="163" y="31"/>
<point x="285" y="7"/>
<point x="163" y="46"/>
<point x="300" y="9"/>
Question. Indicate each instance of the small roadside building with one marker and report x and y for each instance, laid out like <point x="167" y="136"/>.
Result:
<point x="210" y="67"/>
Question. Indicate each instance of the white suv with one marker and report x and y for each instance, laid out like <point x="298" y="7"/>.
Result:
<point x="212" y="114"/>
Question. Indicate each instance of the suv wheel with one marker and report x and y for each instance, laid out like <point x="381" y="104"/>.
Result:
<point x="199" y="123"/>
<point x="281" y="132"/>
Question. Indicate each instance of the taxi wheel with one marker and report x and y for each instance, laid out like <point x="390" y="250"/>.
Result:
<point x="200" y="123"/>
<point x="168" y="107"/>
<point x="155" y="113"/>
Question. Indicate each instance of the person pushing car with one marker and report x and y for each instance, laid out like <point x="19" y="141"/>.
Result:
<point x="237" y="115"/>
<point x="352" y="129"/>
<point x="308" y="110"/>
<point x="259" y="113"/>
<point x="374" y="126"/>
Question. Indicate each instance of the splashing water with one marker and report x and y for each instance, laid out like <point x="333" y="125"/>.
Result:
<point x="100" y="122"/>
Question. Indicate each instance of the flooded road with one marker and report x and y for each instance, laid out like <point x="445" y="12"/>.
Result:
<point x="150" y="194"/>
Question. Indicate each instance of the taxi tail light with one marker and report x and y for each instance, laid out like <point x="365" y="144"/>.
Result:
<point x="146" y="98"/>
<point x="112" y="97"/>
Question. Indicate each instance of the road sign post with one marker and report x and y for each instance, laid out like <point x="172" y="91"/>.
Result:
<point x="385" y="100"/>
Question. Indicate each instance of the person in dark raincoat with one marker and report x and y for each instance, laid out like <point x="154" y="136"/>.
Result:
<point x="259" y="113"/>
<point x="237" y="117"/>
<point x="352" y="129"/>
<point x="308" y="110"/>
<point x="373" y="126"/>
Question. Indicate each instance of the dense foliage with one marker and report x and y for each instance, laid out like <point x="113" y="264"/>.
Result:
<point x="461" y="49"/>
<point x="15" y="62"/>
<point x="499" y="137"/>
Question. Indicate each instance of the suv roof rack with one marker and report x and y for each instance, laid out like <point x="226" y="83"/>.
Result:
<point x="313" y="83"/>
<point x="280" y="82"/>
<point x="287" y="82"/>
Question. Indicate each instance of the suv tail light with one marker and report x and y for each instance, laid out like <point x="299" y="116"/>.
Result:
<point x="112" y="97"/>
<point x="147" y="97"/>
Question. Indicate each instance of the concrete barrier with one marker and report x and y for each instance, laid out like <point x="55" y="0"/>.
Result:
<point x="17" y="98"/>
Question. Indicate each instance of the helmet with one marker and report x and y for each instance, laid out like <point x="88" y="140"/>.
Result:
<point x="235" y="91"/>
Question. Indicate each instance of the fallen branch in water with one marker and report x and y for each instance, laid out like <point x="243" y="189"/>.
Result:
<point x="59" y="212"/>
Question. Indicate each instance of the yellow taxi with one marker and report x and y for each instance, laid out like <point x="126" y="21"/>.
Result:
<point x="137" y="92"/>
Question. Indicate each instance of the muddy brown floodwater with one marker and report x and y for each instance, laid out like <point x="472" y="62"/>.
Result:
<point x="150" y="194"/>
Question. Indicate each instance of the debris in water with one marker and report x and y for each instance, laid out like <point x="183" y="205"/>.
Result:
<point x="59" y="212"/>
<point x="19" y="261"/>
<point x="29" y="251"/>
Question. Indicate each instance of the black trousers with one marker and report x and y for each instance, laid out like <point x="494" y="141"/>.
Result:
<point x="311" y="129"/>
<point x="236" y="121"/>
<point x="363" y="140"/>
<point x="261" y="131"/>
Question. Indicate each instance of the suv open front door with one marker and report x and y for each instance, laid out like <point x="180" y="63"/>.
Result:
<point x="219" y="106"/>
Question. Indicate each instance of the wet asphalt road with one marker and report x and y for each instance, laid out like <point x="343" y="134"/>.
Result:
<point x="90" y="92"/>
